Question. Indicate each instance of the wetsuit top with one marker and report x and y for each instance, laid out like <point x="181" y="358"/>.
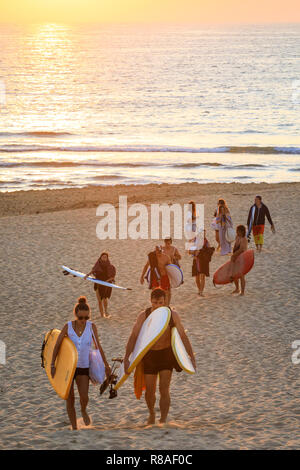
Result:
<point x="259" y="216"/>
<point x="171" y="322"/>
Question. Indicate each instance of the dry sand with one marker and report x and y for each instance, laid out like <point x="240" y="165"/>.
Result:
<point x="245" y="394"/>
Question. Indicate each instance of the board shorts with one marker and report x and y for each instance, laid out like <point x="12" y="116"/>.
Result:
<point x="258" y="234"/>
<point x="81" y="371"/>
<point x="163" y="282"/>
<point x="162" y="359"/>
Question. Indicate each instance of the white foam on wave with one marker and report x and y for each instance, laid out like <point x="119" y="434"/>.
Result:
<point x="149" y="149"/>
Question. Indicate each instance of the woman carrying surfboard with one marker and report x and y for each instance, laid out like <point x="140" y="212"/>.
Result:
<point x="81" y="332"/>
<point x="160" y="359"/>
<point x="104" y="271"/>
<point x="240" y="246"/>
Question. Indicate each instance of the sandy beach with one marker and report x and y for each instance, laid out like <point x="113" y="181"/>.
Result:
<point x="245" y="394"/>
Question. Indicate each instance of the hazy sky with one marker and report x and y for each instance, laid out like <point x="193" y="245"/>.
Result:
<point x="195" y="11"/>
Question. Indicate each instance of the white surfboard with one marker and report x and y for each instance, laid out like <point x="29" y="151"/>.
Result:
<point x="153" y="328"/>
<point x="180" y="353"/>
<point x="92" y="279"/>
<point x="175" y="275"/>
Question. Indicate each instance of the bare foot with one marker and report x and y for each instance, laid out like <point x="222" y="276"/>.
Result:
<point x="151" y="419"/>
<point x="236" y="291"/>
<point x="163" y="421"/>
<point x="107" y="315"/>
<point x="242" y="293"/>
<point x="86" y="418"/>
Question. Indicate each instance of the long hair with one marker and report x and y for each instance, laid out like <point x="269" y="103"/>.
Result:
<point x="222" y="203"/>
<point x="101" y="260"/>
<point x="192" y="203"/>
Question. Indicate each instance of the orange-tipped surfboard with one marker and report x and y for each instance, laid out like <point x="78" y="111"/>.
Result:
<point x="243" y="264"/>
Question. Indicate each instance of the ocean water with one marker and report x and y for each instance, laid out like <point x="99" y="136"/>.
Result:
<point x="111" y="104"/>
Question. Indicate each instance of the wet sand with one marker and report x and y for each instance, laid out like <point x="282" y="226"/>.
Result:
<point x="245" y="394"/>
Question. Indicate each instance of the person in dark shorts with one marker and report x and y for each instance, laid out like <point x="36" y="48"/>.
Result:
<point x="159" y="360"/>
<point x="104" y="271"/>
<point x="81" y="332"/>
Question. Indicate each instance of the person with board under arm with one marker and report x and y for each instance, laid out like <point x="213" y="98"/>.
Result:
<point x="104" y="271"/>
<point x="171" y="251"/>
<point x="157" y="261"/>
<point x="81" y="332"/>
<point x="240" y="246"/>
<point x="160" y="359"/>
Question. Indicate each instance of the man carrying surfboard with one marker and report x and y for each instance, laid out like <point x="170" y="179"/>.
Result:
<point x="160" y="359"/>
<point x="157" y="261"/>
<point x="171" y="251"/>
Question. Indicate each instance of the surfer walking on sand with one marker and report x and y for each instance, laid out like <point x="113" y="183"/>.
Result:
<point x="240" y="245"/>
<point x="224" y="221"/>
<point x="104" y="271"/>
<point x="171" y="251"/>
<point x="159" y="360"/>
<point x="256" y="222"/>
<point x="157" y="261"/>
<point x="200" y="266"/>
<point x="81" y="332"/>
<point x="214" y="225"/>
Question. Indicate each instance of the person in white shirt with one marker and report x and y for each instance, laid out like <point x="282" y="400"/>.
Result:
<point x="81" y="332"/>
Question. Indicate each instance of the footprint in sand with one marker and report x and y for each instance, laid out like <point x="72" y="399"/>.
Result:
<point x="81" y="425"/>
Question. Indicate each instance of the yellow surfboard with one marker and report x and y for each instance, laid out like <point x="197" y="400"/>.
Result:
<point x="65" y="363"/>
<point x="153" y="328"/>
<point x="180" y="353"/>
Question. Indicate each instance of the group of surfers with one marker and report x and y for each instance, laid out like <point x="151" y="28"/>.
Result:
<point x="160" y="360"/>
